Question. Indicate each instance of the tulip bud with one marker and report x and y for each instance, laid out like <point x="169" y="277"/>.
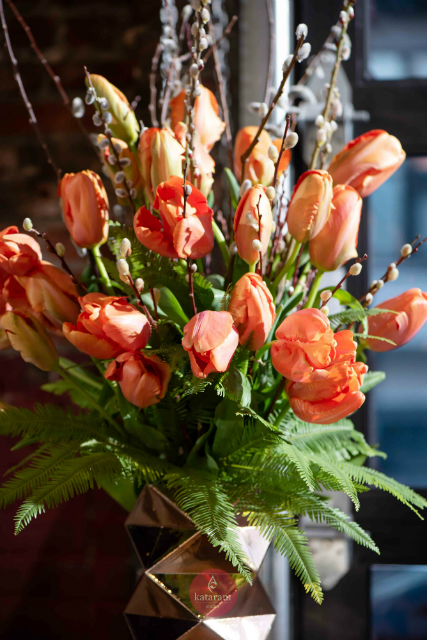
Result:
<point x="28" y="336"/>
<point x="259" y="168"/>
<point x="310" y="205"/>
<point x="85" y="208"/>
<point x="355" y="269"/>
<point x="123" y="123"/>
<point x="161" y="157"/>
<point x="252" y="308"/>
<point x="337" y="241"/>
<point x="143" y="379"/>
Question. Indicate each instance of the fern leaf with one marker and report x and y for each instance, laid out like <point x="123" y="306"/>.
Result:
<point x="371" y="379"/>
<point x="338" y="474"/>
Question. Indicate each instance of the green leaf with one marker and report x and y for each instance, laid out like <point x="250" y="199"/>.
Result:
<point x="371" y="379"/>
<point x="237" y="386"/>
<point x="233" y="187"/>
<point x="59" y="387"/>
<point x="169" y="304"/>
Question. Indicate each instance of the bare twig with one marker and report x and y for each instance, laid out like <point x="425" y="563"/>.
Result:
<point x="282" y="148"/>
<point x="226" y="32"/>
<point x="139" y="301"/>
<point x="167" y="93"/>
<point x="28" y="105"/>
<point x="286" y="74"/>
<point x="223" y="98"/>
<point x="341" y="282"/>
<point x="55" y="78"/>
<point x="153" y="89"/>
<point x="52" y="249"/>
<point x="271" y="34"/>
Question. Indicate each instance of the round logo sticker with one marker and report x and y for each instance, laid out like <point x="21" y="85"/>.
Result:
<point x="213" y="592"/>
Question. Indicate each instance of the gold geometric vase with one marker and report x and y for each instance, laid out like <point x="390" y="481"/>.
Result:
<point x="188" y="589"/>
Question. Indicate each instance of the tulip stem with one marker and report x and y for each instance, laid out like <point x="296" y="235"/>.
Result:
<point x="90" y="398"/>
<point x="314" y="289"/>
<point x="103" y="275"/>
<point x="277" y="280"/>
<point x="222" y="244"/>
<point x="282" y="414"/>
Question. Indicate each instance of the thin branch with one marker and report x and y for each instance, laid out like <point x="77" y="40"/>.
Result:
<point x="226" y="32"/>
<point x="153" y="89"/>
<point x="55" y="78"/>
<point x="286" y="74"/>
<point x="282" y="148"/>
<point x="223" y="98"/>
<point x="52" y="249"/>
<point x="341" y="282"/>
<point x="140" y="302"/>
<point x="271" y="57"/>
<point x="28" y="105"/>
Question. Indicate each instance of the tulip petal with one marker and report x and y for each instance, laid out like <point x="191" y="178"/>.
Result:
<point x="327" y="411"/>
<point x="99" y="348"/>
<point x="149" y="231"/>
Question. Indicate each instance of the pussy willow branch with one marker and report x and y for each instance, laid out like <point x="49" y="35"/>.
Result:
<point x="225" y="33"/>
<point x="55" y="78"/>
<point x="189" y="270"/>
<point x="271" y="38"/>
<point x="334" y="77"/>
<point x="341" y="282"/>
<point x="140" y="302"/>
<point x="28" y="105"/>
<point x="222" y="97"/>
<point x="52" y="249"/>
<point x="244" y="157"/>
<point x="282" y="148"/>
<point x="108" y="134"/>
<point x="153" y="89"/>
<point x="167" y="92"/>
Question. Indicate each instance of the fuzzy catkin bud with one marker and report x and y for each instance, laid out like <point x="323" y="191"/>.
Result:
<point x="304" y="52"/>
<point x="393" y="274"/>
<point x="27" y="224"/>
<point x="287" y="63"/>
<point x="319" y="120"/>
<point x="325" y="310"/>
<point x="368" y="298"/>
<point x="355" y="269"/>
<point x="291" y="140"/>
<point x="271" y="192"/>
<point x="262" y="110"/>
<point x="301" y="31"/>
<point x="257" y="245"/>
<point x="125" y="248"/>
<point x="123" y="267"/>
<point x="380" y="284"/>
<point x="139" y="285"/>
<point x="60" y="249"/>
<point x="156" y="295"/>
<point x="325" y="295"/>
<point x="406" y="250"/>
<point x="78" y="108"/>
<point x="321" y="136"/>
<point x="273" y="153"/>
<point x="246" y="184"/>
<point x="188" y="189"/>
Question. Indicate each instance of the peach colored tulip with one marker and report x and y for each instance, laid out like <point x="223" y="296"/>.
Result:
<point x="252" y="308"/>
<point x="305" y="342"/>
<point x="337" y="241"/>
<point x="18" y="252"/>
<point x="253" y="211"/>
<point x="85" y="208"/>
<point x="13" y="294"/>
<point x="367" y="161"/>
<point x="259" y="168"/>
<point x="28" y="336"/>
<point x="107" y="326"/>
<point x="175" y="236"/>
<point x="310" y="205"/>
<point x="401" y="327"/>
<point x="51" y="295"/>
<point x="161" y="156"/>
<point x="206" y="164"/>
<point x="211" y="340"/>
<point x="143" y="379"/>
<point x="131" y="171"/>
<point x="124" y="124"/>
<point x="209" y="125"/>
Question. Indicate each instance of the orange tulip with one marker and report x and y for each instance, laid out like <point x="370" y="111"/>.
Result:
<point x="161" y="156"/>
<point x="13" y="294"/>
<point x="401" y="327"/>
<point x="259" y="168"/>
<point x="143" y="379"/>
<point x="209" y="125"/>
<point x="18" y="252"/>
<point x="253" y="221"/>
<point x="252" y="308"/>
<point x="175" y="236"/>
<point x="130" y="168"/>
<point x="206" y="164"/>
<point x="337" y="241"/>
<point x="107" y="326"/>
<point x="27" y="335"/>
<point x="305" y="342"/>
<point x="310" y="205"/>
<point x="51" y="295"/>
<point x="124" y="124"/>
<point x="367" y="161"/>
<point x="211" y="340"/>
<point x="85" y="208"/>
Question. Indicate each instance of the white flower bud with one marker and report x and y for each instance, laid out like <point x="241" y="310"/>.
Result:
<point x="96" y="120"/>
<point x="197" y="92"/>
<point x="355" y="269"/>
<point x="351" y="13"/>
<point x="321" y="136"/>
<point x="203" y="44"/>
<point x="291" y="140"/>
<point x="123" y="267"/>
<point x="90" y="97"/>
<point x="343" y="17"/>
<point x="406" y="250"/>
<point x="301" y="31"/>
<point x="187" y="189"/>
<point x="273" y="153"/>
<point x="205" y="15"/>
<point x="187" y="277"/>
<point x="125" y="248"/>
<point x="246" y="184"/>
<point x="271" y="192"/>
<point x="139" y="285"/>
<point x="118" y="147"/>
<point x="325" y="295"/>
<point x="121" y="193"/>
<point x="373" y="285"/>
<point x="194" y="70"/>
<point x="304" y="52"/>
<point x="124" y="279"/>
<point x="27" y="224"/>
<point x="112" y="159"/>
<point x="287" y="63"/>
<point x="325" y="310"/>
<point x="393" y="274"/>
<point x="328" y="147"/>
<point x="133" y="193"/>
<point x="129" y="184"/>
<point x="194" y="29"/>
<point x="262" y="110"/>
<point x="78" y="108"/>
<point x="328" y="128"/>
<point x="380" y="284"/>
<point x="256" y="244"/>
<point x="107" y="117"/>
<point x="119" y="177"/>
<point x="273" y="223"/>
<point x="336" y="108"/>
<point x="104" y="104"/>
<point x="319" y="120"/>
<point x="196" y="4"/>
<point x="233" y="248"/>
<point x="156" y="295"/>
<point x="291" y="290"/>
<point x="193" y="268"/>
<point x="346" y="52"/>
<point x="368" y="298"/>
<point x="60" y="249"/>
<point x="334" y="126"/>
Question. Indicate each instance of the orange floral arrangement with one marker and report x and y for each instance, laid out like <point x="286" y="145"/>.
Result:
<point x="218" y="376"/>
